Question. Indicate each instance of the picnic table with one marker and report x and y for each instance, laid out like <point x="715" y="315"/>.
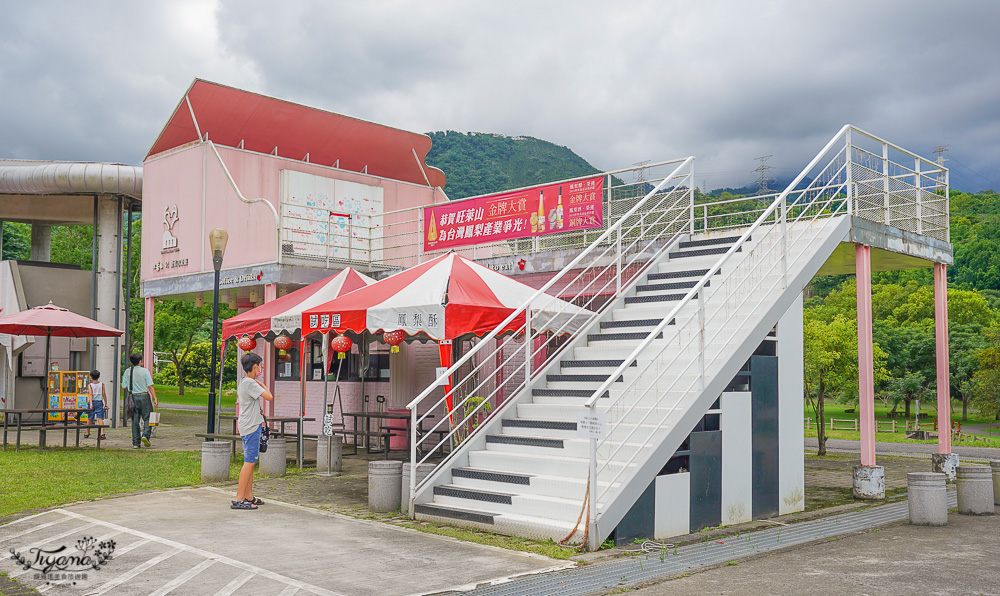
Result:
<point x="382" y="433"/>
<point x="281" y="421"/>
<point x="70" y="421"/>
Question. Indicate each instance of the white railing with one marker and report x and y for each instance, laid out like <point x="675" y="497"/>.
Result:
<point x="675" y="369"/>
<point x="498" y="369"/>
<point x="398" y="241"/>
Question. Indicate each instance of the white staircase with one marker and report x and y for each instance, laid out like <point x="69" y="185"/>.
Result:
<point x="694" y="294"/>
<point x="530" y="478"/>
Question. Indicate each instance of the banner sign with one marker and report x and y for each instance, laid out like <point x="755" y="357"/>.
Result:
<point x="537" y="211"/>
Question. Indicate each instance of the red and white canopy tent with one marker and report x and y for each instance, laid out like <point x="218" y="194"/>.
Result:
<point x="444" y="299"/>
<point x="284" y="315"/>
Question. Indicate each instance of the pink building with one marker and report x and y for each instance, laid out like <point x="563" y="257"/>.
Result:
<point x="302" y="193"/>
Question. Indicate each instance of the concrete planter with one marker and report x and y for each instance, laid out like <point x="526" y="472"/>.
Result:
<point x="927" y="498"/>
<point x="384" y="485"/>
<point x="272" y="462"/>
<point x="216" y="459"/>
<point x="975" y="490"/>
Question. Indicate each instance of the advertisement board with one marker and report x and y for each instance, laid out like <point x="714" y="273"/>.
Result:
<point x="549" y="209"/>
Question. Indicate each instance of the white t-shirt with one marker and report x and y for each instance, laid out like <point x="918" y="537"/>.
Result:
<point x="97" y="391"/>
<point x="248" y="394"/>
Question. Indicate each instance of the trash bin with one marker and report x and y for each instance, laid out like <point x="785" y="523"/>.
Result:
<point x="404" y="496"/>
<point x="927" y="498"/>
<point x="329" y="455"/>
<point x="216" y="459"/>
<point x="272" y="461"/>
<point x="975" y="490"/>
<point x="384" y="485"/>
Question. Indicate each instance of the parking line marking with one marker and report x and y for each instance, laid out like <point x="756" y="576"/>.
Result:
<point x="182" y="578"/>
<point x="288" y="591"/>
<point x="29" y="531"/>
<point x="236" y="584"/>
<point x="208" y="555"/>
<point x="52" y="538"/>
<point x="48" y="587"/>
<point x="121" y="579"/>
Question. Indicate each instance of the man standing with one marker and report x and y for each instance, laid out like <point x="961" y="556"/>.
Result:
<point x="249" y="394"/>
<point x="139" y="382"/>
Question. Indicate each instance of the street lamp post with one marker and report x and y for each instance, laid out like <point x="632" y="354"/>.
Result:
<point x="217" y="239"/>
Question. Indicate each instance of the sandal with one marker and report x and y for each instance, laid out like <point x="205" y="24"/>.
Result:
<point x="242" y="505"/>
<point x="103" y="437"/>
<point x="254" y="501"/>
<point x="86" y="436"/>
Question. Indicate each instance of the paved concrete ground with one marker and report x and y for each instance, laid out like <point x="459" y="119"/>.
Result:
<point x="979" y="453"/>
<point x="189" y="540"/>
<point x="960" y="558"/>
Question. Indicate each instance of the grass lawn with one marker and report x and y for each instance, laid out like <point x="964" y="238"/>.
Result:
<point x="838" y="411"/>
<point x="57" y="476"/>
<point x="193" y="396"/>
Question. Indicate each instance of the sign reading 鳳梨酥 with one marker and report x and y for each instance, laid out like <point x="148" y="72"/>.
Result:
<point x="550" y="209"/>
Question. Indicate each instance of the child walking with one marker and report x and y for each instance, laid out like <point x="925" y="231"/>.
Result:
<point x="95" y="401"/>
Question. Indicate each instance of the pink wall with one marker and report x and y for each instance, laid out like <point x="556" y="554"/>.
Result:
<point x="176" y="178"/>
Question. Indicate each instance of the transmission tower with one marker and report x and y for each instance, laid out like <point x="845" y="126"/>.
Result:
<point x="940" y="150"/>
<point x="640" y="174"/>
<point x="762" y="169"/>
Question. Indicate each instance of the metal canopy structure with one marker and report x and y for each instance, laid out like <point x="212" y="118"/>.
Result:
<point x="237" y="118"/>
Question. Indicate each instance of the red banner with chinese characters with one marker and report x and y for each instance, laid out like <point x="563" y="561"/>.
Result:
<point x="551" y="209"/>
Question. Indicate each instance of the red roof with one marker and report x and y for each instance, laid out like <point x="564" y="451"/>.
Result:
<point x="230" y="116"/>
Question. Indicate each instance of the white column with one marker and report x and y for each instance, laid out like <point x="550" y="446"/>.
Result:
<point x="791" y="384"/>
<point x="107" y="266"/>
<point x="41" y="242"/>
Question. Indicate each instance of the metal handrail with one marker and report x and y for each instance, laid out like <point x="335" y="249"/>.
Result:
<point x="624" y="241"/>
<point x="781" y="217"/>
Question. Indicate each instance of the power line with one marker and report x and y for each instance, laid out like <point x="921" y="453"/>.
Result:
<point x="940" y="150"/>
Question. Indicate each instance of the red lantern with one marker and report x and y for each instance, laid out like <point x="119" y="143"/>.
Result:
<point x="394" y="338"/>
<point x="282" y="343"/>
<point x="247" y="343"/>
<point x="341" y="344"/>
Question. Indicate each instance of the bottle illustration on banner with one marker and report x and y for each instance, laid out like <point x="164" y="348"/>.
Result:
<point x="432" y="234"/>
<point x="559" y="211"/>
<point x="541" y="211"/>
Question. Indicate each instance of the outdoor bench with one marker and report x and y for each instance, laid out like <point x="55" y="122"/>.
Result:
<point x="42" y="429"/>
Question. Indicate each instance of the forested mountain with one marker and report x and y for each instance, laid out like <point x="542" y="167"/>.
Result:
<point x="482" y="163"/>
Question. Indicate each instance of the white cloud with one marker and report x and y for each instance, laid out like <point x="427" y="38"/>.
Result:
<point x="615" y="82"/>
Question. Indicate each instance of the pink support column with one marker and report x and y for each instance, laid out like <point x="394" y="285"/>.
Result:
<point x="941" y="340"/>
<point x="866" y="374"/>
<point x="147" y="334"/>
<point x="270" y="293"/>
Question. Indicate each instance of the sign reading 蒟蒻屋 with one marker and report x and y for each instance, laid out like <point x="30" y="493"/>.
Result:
<point x="551" y="209"/>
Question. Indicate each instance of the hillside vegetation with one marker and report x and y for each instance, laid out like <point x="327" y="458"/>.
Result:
<point x="482" y="163"/>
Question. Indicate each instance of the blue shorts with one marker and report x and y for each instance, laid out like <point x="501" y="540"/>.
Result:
<point x="98" y="410"/>
<point x="251" y="447"/>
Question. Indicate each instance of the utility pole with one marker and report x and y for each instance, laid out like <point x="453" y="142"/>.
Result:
<point x="762" y="179"/>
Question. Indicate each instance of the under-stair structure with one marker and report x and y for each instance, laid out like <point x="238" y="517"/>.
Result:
<point x="679" y="404"/>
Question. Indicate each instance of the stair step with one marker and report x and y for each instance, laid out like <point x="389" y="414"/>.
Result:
<point x="479" y="517"/>
<point x="526" y="441"/>
<point x="655" y="298"/>
<point x="543" y="424"/>
<point x="702" y="252"/>
<point x="592" y="363"/>
<point x="710" y="241"/>
<point x="474" y="494"/>
<point x="491" y="475"/>
<point x="629" y="335"/>
<point x="635" y="323"/>
<point x="679" y="274"/>
<point x="579" y="378"/>
<point x="564" y="392"/>
<point x="676" y="285"/>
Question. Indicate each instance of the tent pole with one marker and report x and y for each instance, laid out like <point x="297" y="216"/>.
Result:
<point x="218" y="396"/>
<point x="302" y="399"/>
<point x="45" y="404"/>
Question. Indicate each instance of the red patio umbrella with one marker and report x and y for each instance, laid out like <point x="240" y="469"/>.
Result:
<point x="49" y="320"/>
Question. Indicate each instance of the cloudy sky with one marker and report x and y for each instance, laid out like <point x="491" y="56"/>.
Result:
<point x="617" y="82"/>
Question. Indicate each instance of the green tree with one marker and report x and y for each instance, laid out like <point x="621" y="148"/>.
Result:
<point x="177" y="323"/>
<point x="986" y="380"/>
<point x="831" y="365"/>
